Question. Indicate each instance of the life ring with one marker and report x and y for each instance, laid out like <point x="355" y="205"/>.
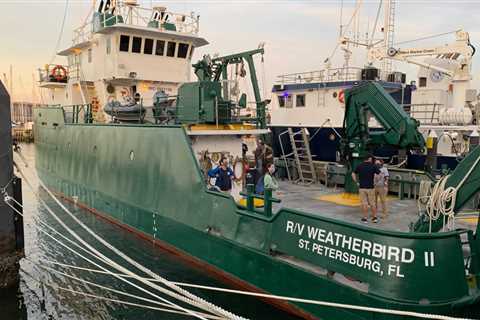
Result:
<point x="341" y="96"/>
<point x="238" y="168"/>
<point x="59" y="73"/>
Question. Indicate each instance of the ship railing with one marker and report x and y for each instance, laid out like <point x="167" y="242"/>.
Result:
<point x="325" y="75"/>
<point x="78" y="113"/>
<point x="49" y="73"/>
<point x="329" y="75"/>
<point x="426" y="113"/>
<point x="157" y="18"/>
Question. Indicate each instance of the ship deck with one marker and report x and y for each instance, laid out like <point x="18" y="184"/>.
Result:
<point x="401" y="213"/>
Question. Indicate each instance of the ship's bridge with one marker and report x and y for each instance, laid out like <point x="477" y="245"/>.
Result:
<point x="127" y="43"/>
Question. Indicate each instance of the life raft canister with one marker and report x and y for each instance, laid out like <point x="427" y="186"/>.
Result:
<point x="341" y="96"/>
<point x="59" y="73"/>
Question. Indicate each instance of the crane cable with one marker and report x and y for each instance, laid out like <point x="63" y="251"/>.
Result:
<point x="60" y="35"/>
<point x="376" y="22"/>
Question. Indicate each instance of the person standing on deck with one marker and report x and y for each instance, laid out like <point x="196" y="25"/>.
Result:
<point x="263" y="156"/>
<point x="366" y="172"/>
<point x="381" y="187"/>
<point x="223" y="175"/>
<point x="269" y="181"/>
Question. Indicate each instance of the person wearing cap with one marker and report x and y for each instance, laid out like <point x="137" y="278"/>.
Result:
<point x="366" y="172"/>
<point x="381" y="186"/>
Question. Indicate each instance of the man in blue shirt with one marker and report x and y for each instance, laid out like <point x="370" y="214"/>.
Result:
<point x="223" y="175"/>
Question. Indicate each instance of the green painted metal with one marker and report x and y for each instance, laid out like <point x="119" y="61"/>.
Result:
<point x="162" y="194"/>
<point x="192" y="103"/>
<point x="398" y="128"/>
<point x="465" y="192"/>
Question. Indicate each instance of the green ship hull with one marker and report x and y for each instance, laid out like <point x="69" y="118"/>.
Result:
<point x="146" y="178"/>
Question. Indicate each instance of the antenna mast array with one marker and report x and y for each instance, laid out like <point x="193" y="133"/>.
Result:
<point x="388" y="32"/>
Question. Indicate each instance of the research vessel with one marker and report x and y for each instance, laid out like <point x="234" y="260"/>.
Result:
<point x="147" y="173"/>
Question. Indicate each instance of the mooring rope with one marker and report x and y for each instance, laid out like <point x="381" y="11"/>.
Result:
<point x="181" y="295"/>
<point x="106" y="270"/>
<point x="190" y="298"/>
<point x="57" y="287"/>
<point x="155" y="279"/>
<point x="286" y="298"/>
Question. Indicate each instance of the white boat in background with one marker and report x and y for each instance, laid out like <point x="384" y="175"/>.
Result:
<point x="440" y="98"/>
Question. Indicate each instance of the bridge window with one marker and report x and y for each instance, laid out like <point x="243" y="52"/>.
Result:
<point x="124" y="43"/>
<point x="182" y="50"/>
<point x="136" y="44"/>
<point x="422" y="82"/>
<point x="148" y="46"/>
<point x="300" y="100"/>
<point x="285" y="100"/>
<point x="160" y="47"/>
<point x="171" y="49"/>
<point x="289" y="101"/>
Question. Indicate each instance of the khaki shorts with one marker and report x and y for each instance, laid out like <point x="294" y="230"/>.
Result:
<point x="367" y="196"/>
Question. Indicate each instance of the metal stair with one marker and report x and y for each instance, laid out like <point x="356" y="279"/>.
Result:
<point x="303" y="157"/>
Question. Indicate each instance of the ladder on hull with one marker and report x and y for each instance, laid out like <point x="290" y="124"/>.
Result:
<point x="299" y="143"/>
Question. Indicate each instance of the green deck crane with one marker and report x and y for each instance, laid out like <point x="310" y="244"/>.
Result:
<point x="206" y="101"/>
<point x="398" y="128"/>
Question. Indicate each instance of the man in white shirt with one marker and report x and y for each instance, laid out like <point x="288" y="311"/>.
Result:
<point x="381" y="187"/>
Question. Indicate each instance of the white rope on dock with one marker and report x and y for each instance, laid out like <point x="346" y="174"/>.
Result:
<point x="286" y="298"/>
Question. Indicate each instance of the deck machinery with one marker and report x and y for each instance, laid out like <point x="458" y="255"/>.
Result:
<point x="398" y="129"/>
<point x="206" y="100"/>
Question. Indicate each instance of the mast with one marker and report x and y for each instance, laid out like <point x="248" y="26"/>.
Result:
<point x="388" y="32"/>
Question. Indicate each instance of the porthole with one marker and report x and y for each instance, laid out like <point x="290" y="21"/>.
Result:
<point x="132" y="155"/>
<point x="334" y="94"/>
<point x="94" y="148"/>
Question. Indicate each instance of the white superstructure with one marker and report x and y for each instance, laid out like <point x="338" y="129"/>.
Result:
<point x="122" y="51"/>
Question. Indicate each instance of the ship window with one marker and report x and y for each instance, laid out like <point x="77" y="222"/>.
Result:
<point x="289" y="101"/>
<point x="182" y="50"/>
<point x="422" y="82"/>
<point x="90" y="55"/>
<point x="148" y="46"/>
<point x="136" y="44"/>
<point x="300" y="100"/>
<point x="160" y="47"/>
<point x="108" y="45"/>
<point x="171" y="49"/>
<point x="281" y="101"/>
<point x="124" y="43"/>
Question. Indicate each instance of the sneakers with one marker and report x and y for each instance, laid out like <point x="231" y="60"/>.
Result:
<point x="364" y="220"/>
<point x="375" y="220"/>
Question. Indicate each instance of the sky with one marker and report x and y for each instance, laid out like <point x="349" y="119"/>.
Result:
<point x="299" y="34"/>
